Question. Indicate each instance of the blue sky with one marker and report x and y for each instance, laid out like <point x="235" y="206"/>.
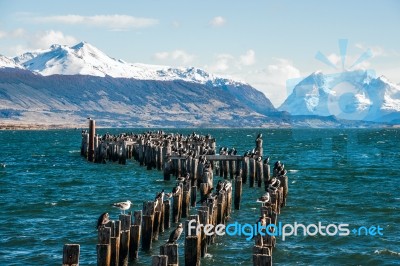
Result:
<point x="263" y="43"/>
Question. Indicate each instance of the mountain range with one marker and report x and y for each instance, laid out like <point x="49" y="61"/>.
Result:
<point x="63" y="85"/>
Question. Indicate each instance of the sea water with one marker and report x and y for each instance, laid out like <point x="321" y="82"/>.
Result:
<point x="51" y="196"/>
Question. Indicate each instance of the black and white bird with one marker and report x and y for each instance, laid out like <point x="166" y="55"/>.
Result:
<point x="103" y="219"/>
<point x="259" y="136"/>
<point x="174" y="236"/>
<point x="264" y="198"/>
<point x="123" y="206"/>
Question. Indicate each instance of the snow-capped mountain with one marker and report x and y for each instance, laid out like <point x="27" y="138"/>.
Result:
<point x="85" y="59"/>
<point x="354" y="95"/>
<point x="7" y="62"/>
<point x="67" y="84"/>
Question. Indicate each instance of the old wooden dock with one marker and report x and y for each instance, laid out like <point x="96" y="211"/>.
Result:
<point x="193" y="161"/>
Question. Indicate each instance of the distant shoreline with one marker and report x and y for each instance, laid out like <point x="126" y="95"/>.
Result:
<point x="33" y="126"/>
<point x="38" y="126"/>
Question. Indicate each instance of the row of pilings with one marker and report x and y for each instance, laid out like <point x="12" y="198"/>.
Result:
<point x="194" y="162"/>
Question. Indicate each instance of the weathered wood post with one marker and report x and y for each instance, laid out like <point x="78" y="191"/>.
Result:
<point x="104" y="247"/>
<point x="259" y="171"/>
<point x="158" y="218"/>
<point x="186" y="199"/>
<point x="167" y="168"/>
<point x="238" y="192"/>
<point x="193" y="196"/>
<point x="267" y="174"/>
<point x="192" y="243"/>
<point x="124" y="238"/>
<point x="71" y="255"/>
<point x="204" y="190"/>
<point x="135" y="235"/>
<point x="261" y="256"/>
<point x="92" y="133"/>
<point x="285" y="186"/>
<point x="245" y="169"/>
<point x="221" y="207"/>
<point x="252" y="171"/>
<point x="193" y="173"/>
<point x="167" y="219"/>
<point x="226" y="168"/>
<point x="115" y="241"/>
<point x="147" y="225"/>
<point x="176" y="206"/>
<point x="259" y="147"/>
<point x="159" y="260"/>
<point x="171" y="251"/>
<point x="204" y="219"/>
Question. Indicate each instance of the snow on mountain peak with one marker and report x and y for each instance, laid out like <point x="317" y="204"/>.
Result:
<point x="7" y="62"/>
<point x="355" y="95"/>
<point x="85" y="59"/>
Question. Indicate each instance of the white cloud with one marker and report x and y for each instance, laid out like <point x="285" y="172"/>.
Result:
<point x="227" y="62"/>
<point x="120" y="22"/>
<point x="350" y="60"/>
<point x="161" y="55"/>
<point x="222" y="63"/>
<point x="45" y="39"/>
<point x="273" y="79"/>
<point x="17" y="33"/>
<point x="217" y="21"/>
<point x="248" y="58"/>
<point x="376" y="50"/>
<point x="176" y="56"/>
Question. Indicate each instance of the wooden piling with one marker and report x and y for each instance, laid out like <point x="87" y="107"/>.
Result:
<point x="176" y="206"/>
<point x="167" y="219"/>
<point x="103" y="254"/>
<point x="193" y="196"/>
<point x="259" y="172"/>
<point x="238" y="192"/>
<point x="204" y="219"/>
<point x="171" y="251"/>
<point x="186" y="200"/>
<point x="159" y="260"/>
<point x="124" y="239"/>
<point x="134" y="242"/>
<point x="156" y="225"/>
<point x="262" y="260"/>
<point x="267" y="175"/>
<point x="192" y="250"/>
<point x="92" y="133"/>
<point x="71" y="255"/>
<point x="252" y="171"/>
<point x="245" y="169"/>
<point x="147" y="231"/>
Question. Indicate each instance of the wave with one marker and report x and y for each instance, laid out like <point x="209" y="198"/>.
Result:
<point x="387" y="252"/>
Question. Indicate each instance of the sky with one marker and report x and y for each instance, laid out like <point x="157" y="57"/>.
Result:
<point x="264" y="43"/>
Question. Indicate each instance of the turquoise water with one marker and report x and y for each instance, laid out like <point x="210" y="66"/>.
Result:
<point x="50" y="195"/>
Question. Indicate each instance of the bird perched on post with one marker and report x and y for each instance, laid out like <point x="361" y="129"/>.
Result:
<point x="175" y="234"/>
<point x="264" y="198"/>
<point x="103" y="219"/>
<point x="123" y="206"/>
